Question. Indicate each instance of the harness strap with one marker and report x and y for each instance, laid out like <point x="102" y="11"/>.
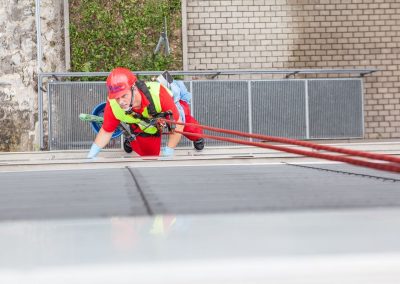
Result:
<point x="137" y="132"/>
<point x="151" y="107"/>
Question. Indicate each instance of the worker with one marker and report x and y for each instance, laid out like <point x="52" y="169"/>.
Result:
<point x="135" y="103"/>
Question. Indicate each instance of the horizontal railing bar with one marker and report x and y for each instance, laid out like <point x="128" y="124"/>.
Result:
<point x="362" y="72"/>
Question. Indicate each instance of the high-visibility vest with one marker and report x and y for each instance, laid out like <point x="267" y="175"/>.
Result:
<point x="119" y="113"/>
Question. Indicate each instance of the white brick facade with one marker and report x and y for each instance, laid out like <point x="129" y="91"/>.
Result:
<point x="282" y="34"/>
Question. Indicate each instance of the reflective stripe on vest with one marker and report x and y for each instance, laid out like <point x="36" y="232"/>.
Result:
<point x="120" y="114"/>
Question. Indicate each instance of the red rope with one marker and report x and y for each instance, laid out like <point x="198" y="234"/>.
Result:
<point x="373" y="156"/>
<point x="379" y="166"/>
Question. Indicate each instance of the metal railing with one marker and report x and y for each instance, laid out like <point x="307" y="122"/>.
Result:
<point x="296" y="108"/>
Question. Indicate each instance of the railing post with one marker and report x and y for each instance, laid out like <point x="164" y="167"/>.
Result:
<point x="49" y="118"/>
<point x="250" y="108"/>
<point x="40" y="110"/>
<point x="191" y="91"/>
<point x="307" y="111"/>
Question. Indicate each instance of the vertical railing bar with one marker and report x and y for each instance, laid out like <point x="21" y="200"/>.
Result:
<point x="40" y="109"/>
<point x="307" y="110"/>
<point x="68" y="98"/>
<point x="250" y="107"/>
<point x="362" y="108"/>
<point x="49" y="117"/>
<point x="192" y="103"/>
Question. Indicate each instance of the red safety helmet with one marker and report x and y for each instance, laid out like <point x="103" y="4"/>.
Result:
<point x="119" y="82"/>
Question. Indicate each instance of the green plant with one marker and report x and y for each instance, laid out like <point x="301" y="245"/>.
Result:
<point x="105" y="34"/>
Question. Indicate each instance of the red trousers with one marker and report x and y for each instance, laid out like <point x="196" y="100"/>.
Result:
<point x="150" y="146"/>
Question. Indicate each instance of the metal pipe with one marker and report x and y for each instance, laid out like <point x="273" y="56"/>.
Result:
<point x="184" y="35"/>
<point x="66" y="36"/>
<point x="39" y="52"/>
<point x="39" y="55"/>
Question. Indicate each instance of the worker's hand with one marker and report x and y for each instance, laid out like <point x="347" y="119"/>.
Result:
<point x="94" y="150"/>
<point x="167" y="151"/>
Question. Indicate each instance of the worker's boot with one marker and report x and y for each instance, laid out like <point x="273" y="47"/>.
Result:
<point x="199" y="144"/>
<point x="127" y="146"/>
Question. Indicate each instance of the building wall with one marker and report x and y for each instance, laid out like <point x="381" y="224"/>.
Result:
<point x="18" y="67"/>
<point x="280" y="34"/>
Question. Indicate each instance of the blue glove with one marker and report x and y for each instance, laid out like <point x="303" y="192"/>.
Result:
<point x="93" y="151"/>
<point x="167" y="151"/>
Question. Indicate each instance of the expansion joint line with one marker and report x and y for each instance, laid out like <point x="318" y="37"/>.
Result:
<point x="345" y="172"/>
<point x="143" y="197"/>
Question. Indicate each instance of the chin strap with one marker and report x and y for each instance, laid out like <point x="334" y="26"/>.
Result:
<point x="130" y="111"/>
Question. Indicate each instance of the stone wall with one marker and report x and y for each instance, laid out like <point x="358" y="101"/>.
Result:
<point x="18" y="68"/>
<point x="265" y="34"/>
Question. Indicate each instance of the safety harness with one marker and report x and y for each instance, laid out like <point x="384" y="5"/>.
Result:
<point x="150" y="121"/>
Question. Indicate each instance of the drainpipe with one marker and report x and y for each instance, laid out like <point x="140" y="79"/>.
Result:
<point x="184" y="35"/>
<point x="66" y="37"/>
<point x="39" y="51"/>
<point x="39" y="54"/>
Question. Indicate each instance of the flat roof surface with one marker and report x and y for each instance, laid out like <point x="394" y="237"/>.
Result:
<point x="138" y="191"/>
<point x="246" y="216"/>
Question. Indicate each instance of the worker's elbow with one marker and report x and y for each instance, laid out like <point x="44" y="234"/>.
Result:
<point x="103" y="131"/>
